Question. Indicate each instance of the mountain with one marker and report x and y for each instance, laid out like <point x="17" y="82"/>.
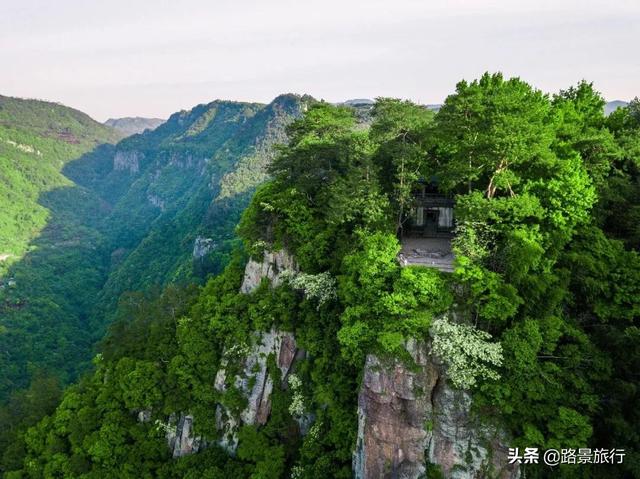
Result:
<point x="358" y="102"/>
<point x="84" y="220"/>
<point x="131" y="125"/>
<point x="49" y="232"/>
<point x="612" y="106"/>
<point x="264" y="320"/>
<point x="37" y="140"/>
<point x="188" y="181"/>
<point x="318" y="350"/>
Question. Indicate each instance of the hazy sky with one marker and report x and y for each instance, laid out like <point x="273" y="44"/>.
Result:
<point x="152" y="57"/>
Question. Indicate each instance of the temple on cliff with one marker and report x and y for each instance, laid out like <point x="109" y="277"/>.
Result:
<point x="428" y="229"/>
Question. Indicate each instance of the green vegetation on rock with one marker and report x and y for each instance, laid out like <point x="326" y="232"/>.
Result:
<point x="541" y="310"/>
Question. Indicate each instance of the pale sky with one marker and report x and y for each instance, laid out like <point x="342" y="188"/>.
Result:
<point x="153" y="57"/>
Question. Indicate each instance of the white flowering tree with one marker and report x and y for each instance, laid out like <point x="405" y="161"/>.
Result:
<point x="297" y="407"/>
<point x="320" y="287"/>
<point x="467" y="352"/>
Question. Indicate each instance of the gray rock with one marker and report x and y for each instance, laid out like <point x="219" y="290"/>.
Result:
<point x="156" y="201"/>
<point x="392" y="411"/>
<point x="187" y="161"/>
<point x="255" y="382"/>
<point x="253" y="379"/>
<point x="127" y="161"/>
<point x="144" y="416"/>
<point x="271" y="267"/>
<point x="180" y="439"/>
<point x="410" y="415"/>
<point x="202" y="246"/>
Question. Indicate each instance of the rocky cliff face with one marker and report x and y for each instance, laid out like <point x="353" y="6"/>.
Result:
<point x="202" y="246"/>
<point x="156" y="201"/>
<point x="253" y="379"/>
<point x="245" y="369"/>
<point x="255" y="382"/>
<point x="410" y="416"/>
<point x="180" y="438"/>
<point x="271" y="267"/>
<point x="188" y="161"/>
<point x="127" y="161"/>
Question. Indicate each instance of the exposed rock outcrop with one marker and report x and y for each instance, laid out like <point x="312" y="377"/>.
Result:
<point x="408" y="416"/>
<point x="127" y="161"/>
<point x="243" y="368"/>
<point x="253" y="379"/>
<point x="156" y="201"/>
<point x="144" y="415"/>
<point x="254" y="382"/>
<point x="272" y="266"/>
<point x="202" y="246"/>
<point x="188" y="161"/>
<point x="180" y="436"/>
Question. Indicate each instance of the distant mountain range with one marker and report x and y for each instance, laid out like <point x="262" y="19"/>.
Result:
<point x="612" y="106"/>
<point x="609" y="107"/>
<point x="132" y="125"/>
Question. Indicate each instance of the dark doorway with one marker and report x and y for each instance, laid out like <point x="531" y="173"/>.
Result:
<point x="431" y="221"/>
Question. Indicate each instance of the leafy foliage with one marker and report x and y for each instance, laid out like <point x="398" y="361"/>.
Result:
<point x="466" y="351"/>
<point x="544" y="294"/>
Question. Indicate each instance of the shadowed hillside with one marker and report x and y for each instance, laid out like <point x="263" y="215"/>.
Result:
<point x="84" y="220"/>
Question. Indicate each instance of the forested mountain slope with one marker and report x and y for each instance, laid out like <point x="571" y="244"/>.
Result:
<point x="49" y="238"/>
<point x="118" y="218"/>
<point x="37" y="139"/>
<point x="321" y="356"/>
<point x="195" y="176"/>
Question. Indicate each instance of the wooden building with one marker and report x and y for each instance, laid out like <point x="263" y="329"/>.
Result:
<point x="431" y="215"/>
<point x="428" y="230"/>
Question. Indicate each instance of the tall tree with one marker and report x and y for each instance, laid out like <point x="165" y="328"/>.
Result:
<point x="581" y="127"/>
<point x="619" y="206"/>
<point x="490" y="132"/>
<point x="400" y="132"/>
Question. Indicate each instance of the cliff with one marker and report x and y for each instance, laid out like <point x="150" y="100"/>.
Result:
<point x="409" y="417"/>
<point x="244" y="369"/>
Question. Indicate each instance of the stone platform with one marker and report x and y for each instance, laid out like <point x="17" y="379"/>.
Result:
<point x="429" y="252"/>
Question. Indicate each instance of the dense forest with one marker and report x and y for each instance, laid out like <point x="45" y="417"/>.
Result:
<point x="83" y="217"/>
<point x="538" y="321"/>
<point x="48" y="229"/>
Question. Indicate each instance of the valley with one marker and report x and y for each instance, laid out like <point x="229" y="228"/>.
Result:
<point x="244" y="290"/>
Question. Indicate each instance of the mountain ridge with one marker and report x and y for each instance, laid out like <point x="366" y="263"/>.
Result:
<point x="131" y="125"/>
<point x="134" y="194"/>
